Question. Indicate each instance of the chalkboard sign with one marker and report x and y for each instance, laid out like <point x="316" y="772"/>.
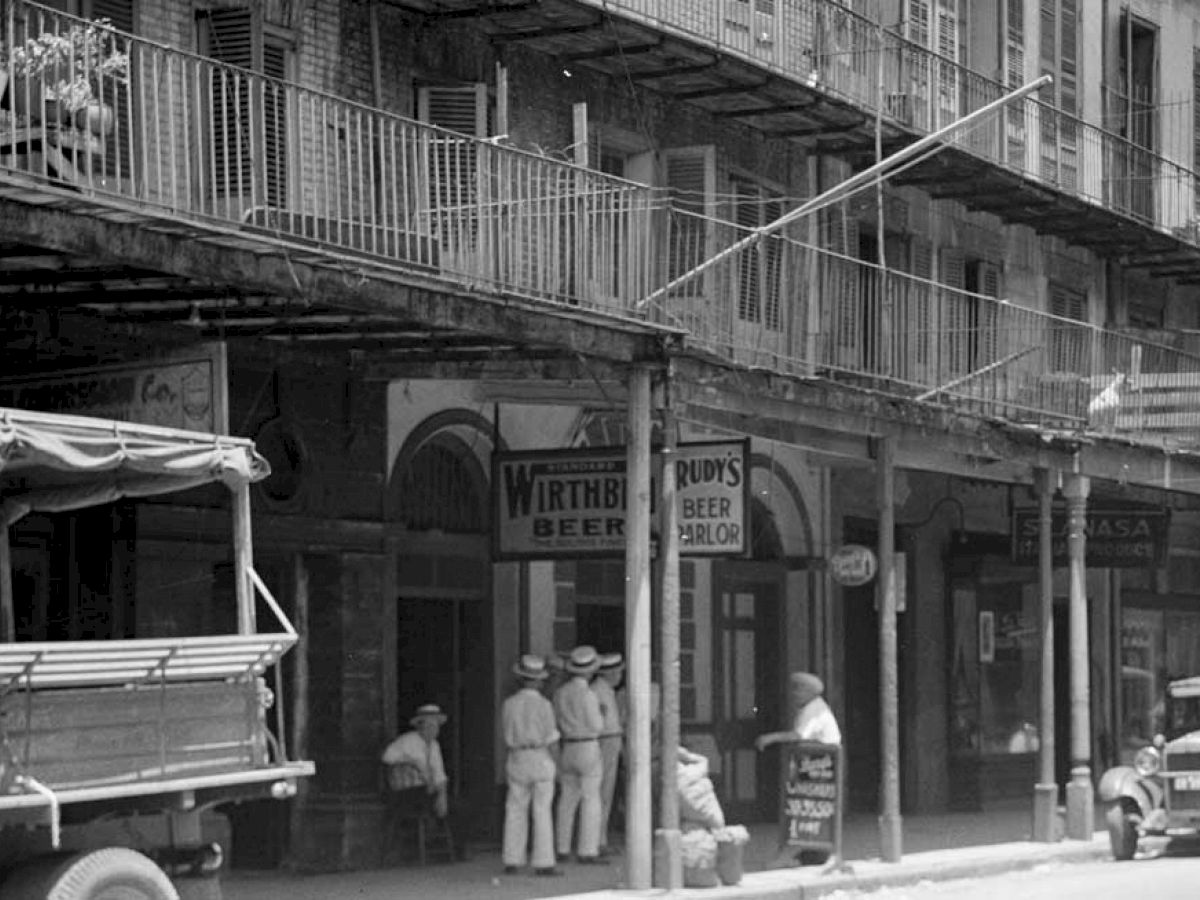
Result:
<point x="812" y="796"/>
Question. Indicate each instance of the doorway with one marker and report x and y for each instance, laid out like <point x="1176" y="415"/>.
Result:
<point x="444" y="656"/>
<point x="748" y="640"/>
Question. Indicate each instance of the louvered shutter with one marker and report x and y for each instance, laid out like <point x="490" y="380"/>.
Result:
<point x="1014" y="67"/>
<point x="1195" y="133"/>
<point x="988" y="325"/>
<point x="749" y="262"/>
<point x="947" y="50"/>
<point x="690" y="176"/>
<point x="453" y="195"/>
<point x="274" y="107"/>
<point x="952" y="274"/>
<point x="841" y="287"/>
<point x="230" y="39"/>
<point x="1067" y="347"/>
<point x="118" y="95"/>
<point x="922" y="326"/>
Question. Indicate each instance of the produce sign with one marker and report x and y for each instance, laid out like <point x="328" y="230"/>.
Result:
<point x="812" y="796"/>
<point x="573" y="503"/>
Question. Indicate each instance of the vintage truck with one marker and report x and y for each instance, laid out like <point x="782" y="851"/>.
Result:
<point x="111" y="750"/>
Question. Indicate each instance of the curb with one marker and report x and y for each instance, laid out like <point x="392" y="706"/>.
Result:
<point x="982" y="866"/>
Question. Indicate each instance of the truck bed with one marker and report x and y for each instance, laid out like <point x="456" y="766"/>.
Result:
<point x="96" y="720"/>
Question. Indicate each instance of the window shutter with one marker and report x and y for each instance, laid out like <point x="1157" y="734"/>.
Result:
<point x="462" y="108"/>
<point x="952" y="273"/>
<point x="922" y="326"/>
<point x="691" y="177"/>
<point x="1196" y="130"/>
<point x="987" y="277"/>
<point x="229" y="38"/>
<point x="119" y="12"/>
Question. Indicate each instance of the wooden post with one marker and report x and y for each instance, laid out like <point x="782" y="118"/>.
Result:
<point x="243" y="559"/>
<point x="638" y="848"/>
<point x="890" y="838"/>
<point x="300" y="693"/>
<point x="672" y="876"/>
<point x="1045" y="791"/>
<point x="8" y="622"/>
<point x="1080" y="799"/>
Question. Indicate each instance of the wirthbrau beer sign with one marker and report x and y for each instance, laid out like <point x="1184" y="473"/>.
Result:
<point x="573" y="503"/>
<point x="1115" y="538"/>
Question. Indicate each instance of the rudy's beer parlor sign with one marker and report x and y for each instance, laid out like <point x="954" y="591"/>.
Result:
<point x="573" y="503"/>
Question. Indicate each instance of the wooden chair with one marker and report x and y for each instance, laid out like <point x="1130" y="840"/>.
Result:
<point x="409" y="818"/>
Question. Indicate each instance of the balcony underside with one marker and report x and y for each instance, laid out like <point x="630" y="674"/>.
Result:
<point x="92" y="274"/>
<point x="980" y="187"/>
<point x="729" y="87"/>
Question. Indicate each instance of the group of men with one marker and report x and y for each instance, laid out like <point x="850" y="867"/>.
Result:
<point x="573" y="737"/>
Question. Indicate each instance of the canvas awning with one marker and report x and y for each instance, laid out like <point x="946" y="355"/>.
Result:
<point x="51" y="462"/>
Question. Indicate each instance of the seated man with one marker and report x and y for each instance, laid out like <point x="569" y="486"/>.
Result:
<point x="414" y="761"/>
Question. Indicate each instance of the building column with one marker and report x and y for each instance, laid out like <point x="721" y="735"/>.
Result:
<point x="890" y="826"/>
<point x="1080" y="798"/>
<point x="1045" y="791"/>
<point x="638" y="850"/>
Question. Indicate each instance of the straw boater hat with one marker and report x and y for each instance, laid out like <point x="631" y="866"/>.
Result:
<point x="611" y="662"/>
<point x="808" y="680"/>
<point x="584" y="660"/>
<point x="532" y="667"/>
<point x="428" y="711"/>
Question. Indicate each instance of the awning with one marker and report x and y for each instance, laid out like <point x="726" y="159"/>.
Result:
<point x="51" y="462"/>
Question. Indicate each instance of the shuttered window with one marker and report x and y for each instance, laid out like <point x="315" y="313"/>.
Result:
<point x="1014" y="73"/>
<point x="248" y="114"/>
<point x="759" y="280"/>
<point x="690" y="174"/>
<point x="1196" y="130"/>
<point x="1068" y="349"/>
<point x="1058" y="55"/>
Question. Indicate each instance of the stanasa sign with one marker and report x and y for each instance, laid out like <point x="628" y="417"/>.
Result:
<point x="1114" y="538"/>
<point x="573" y="503"/>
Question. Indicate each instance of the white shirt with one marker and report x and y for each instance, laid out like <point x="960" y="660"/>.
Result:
<point x="411" y="748"/>
<point x="816" y="722"/>
<point x="528" y="720"/>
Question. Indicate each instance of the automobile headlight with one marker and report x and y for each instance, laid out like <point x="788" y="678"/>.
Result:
<point x="1147" y="762"/>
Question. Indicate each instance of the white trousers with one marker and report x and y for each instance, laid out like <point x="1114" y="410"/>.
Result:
<point x="530" y="790"/>
<point x="610" y="755"/>
<point x="579" y="773"/>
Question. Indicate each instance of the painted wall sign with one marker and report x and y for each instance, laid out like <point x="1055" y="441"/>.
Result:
<point x="180" y="391"/>
<point x="572" y="503"/>
<point x="1116" y="538"/>
<point x="853" y="564"/>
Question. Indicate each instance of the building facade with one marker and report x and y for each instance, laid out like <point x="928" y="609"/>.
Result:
<point x="428" y="233"/>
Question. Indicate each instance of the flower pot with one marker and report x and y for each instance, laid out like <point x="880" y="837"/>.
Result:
<point x="95" y="117"/>
<point x="700" y="876"/>
<point x="729" y="861"/>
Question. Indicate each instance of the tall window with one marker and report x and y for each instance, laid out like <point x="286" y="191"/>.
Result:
<point x="759" y="268"/>
<point x="247" y="114"/>
<point x="1058" y="57"/>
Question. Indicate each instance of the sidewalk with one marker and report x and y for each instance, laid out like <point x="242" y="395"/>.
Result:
<point x="936" y="848"/>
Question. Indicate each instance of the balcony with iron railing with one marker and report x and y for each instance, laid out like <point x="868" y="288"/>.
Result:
<point x="1033" y="164"/>
<point x="194" y="141"/>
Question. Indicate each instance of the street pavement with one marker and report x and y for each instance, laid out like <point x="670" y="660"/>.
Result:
<point x="935" y="848"/>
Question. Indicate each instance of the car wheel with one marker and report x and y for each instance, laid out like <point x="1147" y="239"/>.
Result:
<point x="114" y="873"/>
<point x="1122" y="831"/>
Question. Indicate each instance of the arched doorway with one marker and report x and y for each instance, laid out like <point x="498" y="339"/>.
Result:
<point x="444" y="623"/>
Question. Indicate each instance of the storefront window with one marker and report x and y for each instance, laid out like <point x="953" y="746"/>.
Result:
<point x="1160" y="641"/>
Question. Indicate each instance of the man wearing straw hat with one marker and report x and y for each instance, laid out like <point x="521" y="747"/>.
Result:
<point x="612" y="666"/>
<point x="580" y="768"/>
<point x="531" y="735"/>
<point x="414" y="760"/>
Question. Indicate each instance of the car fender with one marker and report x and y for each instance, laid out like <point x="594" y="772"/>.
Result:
<point x="1123" y="781"/>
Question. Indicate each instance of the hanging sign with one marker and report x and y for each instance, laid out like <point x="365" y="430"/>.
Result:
<point x="853" y="565"/>
<point x="572" y="503"/>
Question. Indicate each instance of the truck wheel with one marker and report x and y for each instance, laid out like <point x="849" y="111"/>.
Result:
<point x="114" y="873"/>
<point x="1122" y="831"/>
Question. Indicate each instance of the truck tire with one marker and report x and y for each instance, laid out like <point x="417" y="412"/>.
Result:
<point x="114" y="873"/>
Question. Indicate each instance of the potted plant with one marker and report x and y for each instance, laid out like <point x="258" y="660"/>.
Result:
<point x="64" y="73"/>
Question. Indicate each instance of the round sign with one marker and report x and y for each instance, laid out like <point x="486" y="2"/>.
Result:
<point x="853" y="565"/>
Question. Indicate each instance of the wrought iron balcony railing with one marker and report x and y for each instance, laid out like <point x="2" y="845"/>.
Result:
<point x="828" y="47"/>
<point x="181" y="135"/>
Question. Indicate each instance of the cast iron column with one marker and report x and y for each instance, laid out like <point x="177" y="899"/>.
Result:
<point x="890" y="835"/>
<point x="1080" y="800"/>
<point x="1045" y="791"/>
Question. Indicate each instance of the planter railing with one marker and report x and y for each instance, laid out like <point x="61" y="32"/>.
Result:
<point x="828" y="47"/>
<point x="212" y="142"/>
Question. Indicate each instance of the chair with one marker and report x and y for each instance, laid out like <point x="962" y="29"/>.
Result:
<point x="408" y="817"/>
